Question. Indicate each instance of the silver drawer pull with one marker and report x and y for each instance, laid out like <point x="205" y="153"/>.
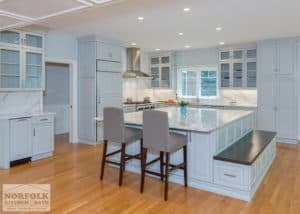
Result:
<point x="229" y="175"/>
<point x="44" y="119"/>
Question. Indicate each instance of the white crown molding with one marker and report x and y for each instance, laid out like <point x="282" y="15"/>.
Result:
<point x="23" y="20"/>
<point x="100" y="1"/>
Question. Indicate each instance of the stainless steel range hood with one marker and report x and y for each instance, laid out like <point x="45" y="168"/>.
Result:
<point x="134" y="64"/>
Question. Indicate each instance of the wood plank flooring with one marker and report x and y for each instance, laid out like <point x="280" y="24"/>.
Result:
<point x="73" y="173"/>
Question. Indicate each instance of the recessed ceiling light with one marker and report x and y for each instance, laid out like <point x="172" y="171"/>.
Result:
<point x="218" y="28"/>
<point x="157" y="49"/>
<point x="187" y="9"/>
<point x="221" y="43"/>
<point x="180" y="34"/>
<point x="133" y="44"/>
<point x="140" y="18"/>
<point x="187" y="46"/>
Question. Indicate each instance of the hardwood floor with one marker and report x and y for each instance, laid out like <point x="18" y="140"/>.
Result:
<point x="73" y="173"/>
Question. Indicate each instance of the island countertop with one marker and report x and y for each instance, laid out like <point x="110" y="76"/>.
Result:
<point x="196" y="119"/>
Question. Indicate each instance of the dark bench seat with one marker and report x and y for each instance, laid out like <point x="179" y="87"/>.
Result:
<point x="248" y="148"/>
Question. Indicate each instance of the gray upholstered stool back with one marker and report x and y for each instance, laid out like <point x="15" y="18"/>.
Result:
<point x="155" y="130"/>
<point x="113" y="128"/>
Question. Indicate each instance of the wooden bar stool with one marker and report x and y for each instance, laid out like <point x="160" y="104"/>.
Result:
<point x="114" y="130"/>
<point x="156" y="137"/>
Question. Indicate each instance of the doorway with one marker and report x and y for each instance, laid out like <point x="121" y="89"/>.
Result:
<point x="57" y="95"/>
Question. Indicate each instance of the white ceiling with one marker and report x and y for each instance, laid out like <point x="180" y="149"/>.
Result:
<point x="241" y="20"/>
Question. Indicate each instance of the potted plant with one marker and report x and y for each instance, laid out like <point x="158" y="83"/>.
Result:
<point x="183" y="104"/>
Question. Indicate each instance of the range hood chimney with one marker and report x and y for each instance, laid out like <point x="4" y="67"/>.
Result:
<point x="134" y="64"/>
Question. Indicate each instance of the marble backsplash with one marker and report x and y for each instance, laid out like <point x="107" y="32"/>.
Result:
<point x="137" y="89"/>
<point x="20" y="102"/>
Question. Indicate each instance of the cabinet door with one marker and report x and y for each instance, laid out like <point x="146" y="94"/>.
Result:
<point x="286" y="51"/>
<point x="108" y="101"/>
<point x="109" y="83"/>
<point x="225" y="75"/>
<point x="266" y="119"/>
<point x="33" y="41"/>
<point x="10" y="38"/>
<point x="224" y="55"/>
<point x="43" y="138"/>
<point x="20" y="135"/>
<point x="155" y="77"/>
<point x="238" y="75"/>
<point x="10" y="76"/>
<point x="34" y="70"/>
<point x="109" y="52"/>
<point x="286" y="108"/>
<point x="251" y="74"/>
<point x="165" y="77"/>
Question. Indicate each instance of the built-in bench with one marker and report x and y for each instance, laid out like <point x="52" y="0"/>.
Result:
<point x="243" y="165"/>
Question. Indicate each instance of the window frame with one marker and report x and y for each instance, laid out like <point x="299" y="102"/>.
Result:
<point x="198" y="70"/>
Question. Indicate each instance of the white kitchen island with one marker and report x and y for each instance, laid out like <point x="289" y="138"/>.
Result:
<point x="209" y="132"/>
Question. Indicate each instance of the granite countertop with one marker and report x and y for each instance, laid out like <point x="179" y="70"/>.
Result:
<point x="225" y="105"/>
<point x="24" y="114"/>
<point x="197" y="119"/>
<point x="247" y="149"/>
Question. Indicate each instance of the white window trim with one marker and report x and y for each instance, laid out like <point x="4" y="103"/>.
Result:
<point x="198" y="69"/>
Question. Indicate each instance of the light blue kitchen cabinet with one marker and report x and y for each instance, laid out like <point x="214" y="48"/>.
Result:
<point x="21" y="61"/>
<point x="277" y="88"/>
<point x="161" y="66"/>
<point x="109" y="52"/>
<point x="237" y="67"/>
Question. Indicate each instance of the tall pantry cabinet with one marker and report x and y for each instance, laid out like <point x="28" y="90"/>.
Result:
<point x="100" y="84"/>
<point x="277" y="88"/>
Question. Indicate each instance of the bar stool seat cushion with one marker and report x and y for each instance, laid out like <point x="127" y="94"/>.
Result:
<point x="132" y="134"/>
<point x="176" y="142"/>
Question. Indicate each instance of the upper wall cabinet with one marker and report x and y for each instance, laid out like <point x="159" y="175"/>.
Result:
<point x="109" y="52"/>
<point x="160" y="68"/>
<point x="21" y="61"/>
<point x="237" y="68"/>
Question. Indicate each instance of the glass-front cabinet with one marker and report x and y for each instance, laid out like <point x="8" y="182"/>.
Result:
<point x="21" y="61"/>
<point x="237" y="68"/>
<point x="34" y="70"/>
<point x="160" y="67"/>
<point x="10" y="72"/>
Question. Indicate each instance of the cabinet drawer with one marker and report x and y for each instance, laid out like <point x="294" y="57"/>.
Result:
<point x="231" y="175"/>
<point x="43" y="119"/>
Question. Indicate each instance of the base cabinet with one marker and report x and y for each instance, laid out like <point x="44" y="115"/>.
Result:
<point x="43" y="138"/>
<point x="25" y="138"/>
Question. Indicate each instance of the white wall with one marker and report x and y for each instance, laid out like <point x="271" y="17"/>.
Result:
<point x="57" y="98"/>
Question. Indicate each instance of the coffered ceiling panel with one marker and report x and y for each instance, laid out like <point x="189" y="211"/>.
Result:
<point x="7" y="21"/>
<point x="39" y="9"/>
